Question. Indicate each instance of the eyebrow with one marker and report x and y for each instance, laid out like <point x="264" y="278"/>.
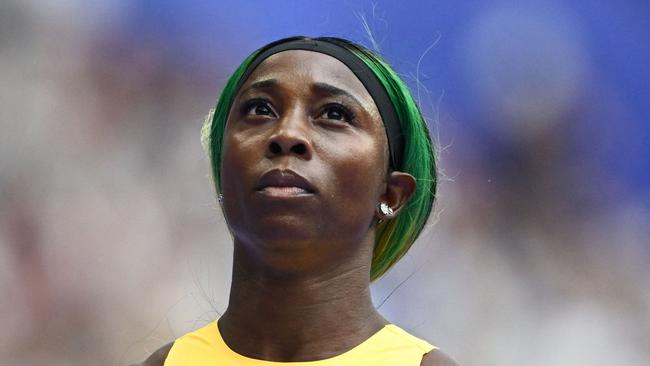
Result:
<point x="318" y="87"/>
<point x="262" y="84"/>
<point x="333" y="91"/>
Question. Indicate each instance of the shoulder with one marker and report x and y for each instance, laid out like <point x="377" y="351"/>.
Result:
<point x="432" y="357"/>
<point x="158" y="357"/>
<point x="438" y="358"/>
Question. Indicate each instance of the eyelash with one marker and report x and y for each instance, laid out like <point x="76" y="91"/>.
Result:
<point x="254" y="103"/>
<point x="347" y="115"/>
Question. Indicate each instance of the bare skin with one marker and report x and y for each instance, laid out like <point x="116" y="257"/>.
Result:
<point x="304" y="168"/>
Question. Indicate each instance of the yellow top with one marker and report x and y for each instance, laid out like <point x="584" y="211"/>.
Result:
<point x="389" y="346"/>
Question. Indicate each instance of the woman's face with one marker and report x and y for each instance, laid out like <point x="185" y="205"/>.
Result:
<point x="304" y="162"/>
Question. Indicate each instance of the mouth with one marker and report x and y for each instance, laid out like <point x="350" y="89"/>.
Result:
<point x="284" y="183"/>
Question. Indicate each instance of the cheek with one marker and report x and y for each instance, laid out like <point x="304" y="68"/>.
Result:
<point x="231" y="160"/>
<point x="238" y="156"/>
<point x="359" y="176"/>
<point x="239" y="151"/>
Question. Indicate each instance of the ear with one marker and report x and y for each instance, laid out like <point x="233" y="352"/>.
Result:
<point x="400" y="187"/>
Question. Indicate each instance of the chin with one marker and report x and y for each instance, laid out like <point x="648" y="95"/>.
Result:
<point x="288" y="251"/>
<point x="285" y="230"/>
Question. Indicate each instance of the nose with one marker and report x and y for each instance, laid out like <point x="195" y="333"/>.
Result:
<point x="291" y="137"/>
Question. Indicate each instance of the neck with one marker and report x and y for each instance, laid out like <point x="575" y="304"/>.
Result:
<point x="301" y="317"/>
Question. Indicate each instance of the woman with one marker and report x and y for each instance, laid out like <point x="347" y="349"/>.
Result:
<point x="326" y="175"/>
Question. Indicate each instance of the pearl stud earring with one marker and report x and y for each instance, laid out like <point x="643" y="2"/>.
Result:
<point x="385" y="209"/>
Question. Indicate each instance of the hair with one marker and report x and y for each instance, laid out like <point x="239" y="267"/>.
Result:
<point x="394" y="237"/>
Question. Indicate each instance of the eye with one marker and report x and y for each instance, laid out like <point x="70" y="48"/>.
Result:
<point x="257" y="107"/>
<point x="337" y="112"/>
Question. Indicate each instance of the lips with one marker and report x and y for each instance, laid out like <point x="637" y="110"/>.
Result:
<point x="284" y="183"/>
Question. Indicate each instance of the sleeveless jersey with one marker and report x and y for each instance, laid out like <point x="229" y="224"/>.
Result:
<point x="388" y="347"/>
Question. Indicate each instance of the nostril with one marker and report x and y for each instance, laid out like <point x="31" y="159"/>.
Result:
<point x="275" y="148"/>
<point x="299" y="149"/>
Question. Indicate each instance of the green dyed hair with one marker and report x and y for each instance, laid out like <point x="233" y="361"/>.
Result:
<point x="393" y="237"/>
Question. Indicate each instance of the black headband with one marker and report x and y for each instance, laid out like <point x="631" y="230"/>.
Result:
<point x="362" y="72"/>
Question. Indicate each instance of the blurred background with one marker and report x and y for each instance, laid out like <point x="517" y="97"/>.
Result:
<point x="112" y="244"/>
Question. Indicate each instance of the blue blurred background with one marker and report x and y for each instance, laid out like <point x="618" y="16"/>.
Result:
<point x="111" y="243"/>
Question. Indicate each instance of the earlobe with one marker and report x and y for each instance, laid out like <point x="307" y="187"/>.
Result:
<point x="400" y="187"/>
<point x="386" y="210"/>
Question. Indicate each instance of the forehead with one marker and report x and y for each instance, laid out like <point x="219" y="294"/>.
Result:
<point x="309" y="67"/>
